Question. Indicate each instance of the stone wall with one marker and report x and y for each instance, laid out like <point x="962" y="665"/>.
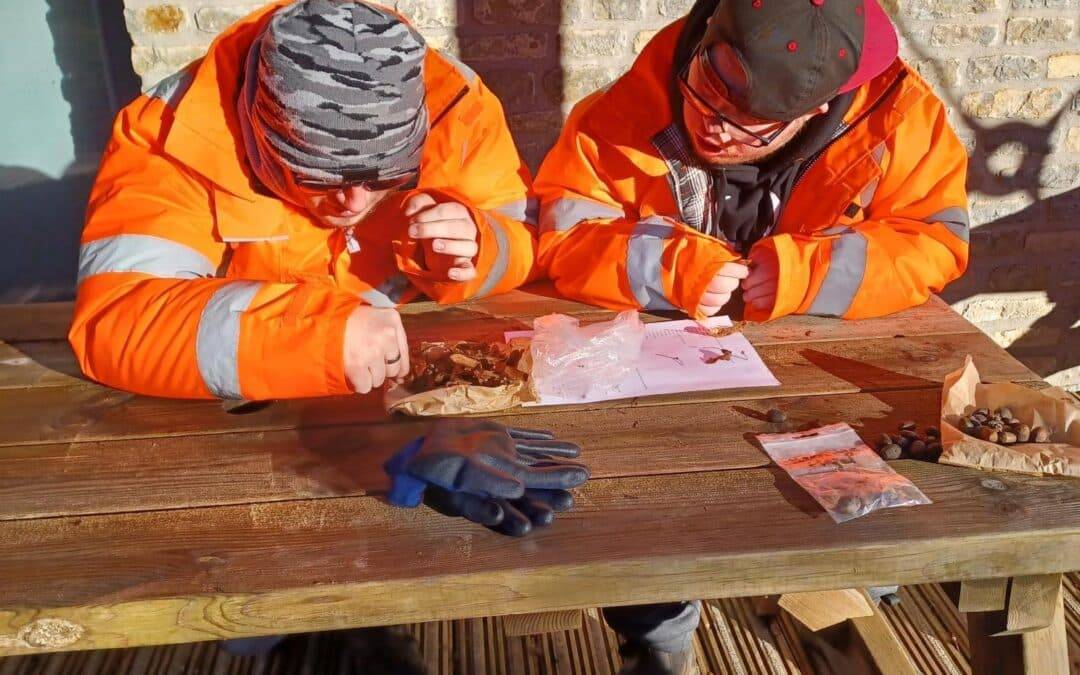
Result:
<point x="1009" y="70"/>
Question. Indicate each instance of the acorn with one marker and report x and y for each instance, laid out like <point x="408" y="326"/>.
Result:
<point x="891" y="451"/>
<point x="849" y="505"/>
<point x="917" y="449"/>
<point x="1023" y="433"/>
<point x="776" y="416"/>
<point x="1006" y="438"/>
<point x="988" y="434"/>
<point x="1040" y="434"/>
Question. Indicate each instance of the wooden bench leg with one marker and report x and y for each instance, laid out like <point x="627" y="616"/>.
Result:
<point x="542" y="622"/>
<point x="883" y="644"/>
<point x="819" y="610"/>
<point x="1025" y="636"/>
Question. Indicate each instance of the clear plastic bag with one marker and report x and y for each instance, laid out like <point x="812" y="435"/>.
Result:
<point x="840" y="472"/>
<point x="573" y="361"/>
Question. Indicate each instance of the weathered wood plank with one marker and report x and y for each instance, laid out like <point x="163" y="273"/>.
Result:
<point x="517" y="309"/>
<point x="820" y="609"/>
<point x="65" y="414"/>
<point x="884" y="645"/>
<point x="200" y="574"/>
<point x="52" y="364"/>
<point x="1032" y="602"/>
<point x="38" y="364"/>
<point x="239" y="468"/>
<point x="1046" y="651"/>
<point x="36" y="321"/>
<point x="983" y="595"/>
<point x="542" y="622"/>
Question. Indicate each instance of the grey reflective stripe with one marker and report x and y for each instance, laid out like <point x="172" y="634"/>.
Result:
<point x="643" y="262"/>
<point x="955" y="219"/>
<point x="172" y="88"/>
<point x="847" y="266"/>
<point x="377" y="298"/>
<point x="144" y="254"/>
<point x="217" y="343"/>
<point x="836" y="229"/>
<point x="879" y="153"/>
<point x="868" y="193"/>
<point x="502" y="258"/>
<point x="468" y="73"/>
<point x="562" y="214"/>
<point x="523" y="210"/>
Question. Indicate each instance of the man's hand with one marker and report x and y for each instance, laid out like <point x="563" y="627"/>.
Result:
<point x="375" y="348"/>
<point x="759" y="289"/>
<point x="720" y="288"/>
<point x="450" y="228"/>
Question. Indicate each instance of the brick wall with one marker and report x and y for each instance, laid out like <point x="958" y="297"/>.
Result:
<point x="1009" y="70"/>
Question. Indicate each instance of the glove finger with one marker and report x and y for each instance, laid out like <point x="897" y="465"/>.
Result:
<point x="458" y="505"/>
<point x="559" y="500"/>
<point x="562" y="477"/>
<point x="518" y="433"/>
<point x="514" y="522"/>
<point x="552" y="448"/>
<point x="538" y="513"/>
<point x="489" y="479"/>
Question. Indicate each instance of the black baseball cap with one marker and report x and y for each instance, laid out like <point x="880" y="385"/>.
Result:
<point x="798" y="54"/>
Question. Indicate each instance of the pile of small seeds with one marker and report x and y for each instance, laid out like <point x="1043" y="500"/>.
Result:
<point x="1001" y="427"/>
<point x="908" y="443"/>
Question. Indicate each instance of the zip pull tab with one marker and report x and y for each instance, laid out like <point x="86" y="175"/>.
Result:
<point x="351" y="243"/>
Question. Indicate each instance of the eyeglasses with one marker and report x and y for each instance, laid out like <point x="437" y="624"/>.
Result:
<point x="405" y="180"/>
<point x="734" y="129"/>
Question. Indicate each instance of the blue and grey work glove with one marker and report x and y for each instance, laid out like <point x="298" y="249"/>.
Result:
<point x="509" y="480"/>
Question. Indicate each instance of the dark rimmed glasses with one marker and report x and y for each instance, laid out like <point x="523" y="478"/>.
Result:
<point x="742" y="134"/>
<point x="402" y="181"/>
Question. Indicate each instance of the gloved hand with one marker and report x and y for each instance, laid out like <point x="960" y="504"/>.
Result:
<point x="489" y="473"/>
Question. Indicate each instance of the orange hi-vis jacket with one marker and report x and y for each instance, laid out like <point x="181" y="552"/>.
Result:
<point x="875" y="224"/>
<point x="194" y="283"/>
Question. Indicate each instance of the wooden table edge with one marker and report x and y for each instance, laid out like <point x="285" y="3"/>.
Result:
<point x="169" y="620"/>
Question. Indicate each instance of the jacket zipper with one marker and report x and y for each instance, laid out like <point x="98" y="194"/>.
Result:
<point x="844" y="128"/>
<point x="442" y="113"/>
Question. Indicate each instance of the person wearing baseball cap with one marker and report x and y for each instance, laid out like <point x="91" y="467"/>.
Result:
<point x="777" y="145"/>
<point x="258" y="216"/>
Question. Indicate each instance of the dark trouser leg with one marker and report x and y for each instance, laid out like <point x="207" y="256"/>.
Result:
<point x="252" y="646"/>
<point x="666" y="627"/>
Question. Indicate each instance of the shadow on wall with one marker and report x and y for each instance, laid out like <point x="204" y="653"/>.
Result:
<point x="45" y="214"/>
<point x="1025" y="251"/>
<point x="523" y="68"/>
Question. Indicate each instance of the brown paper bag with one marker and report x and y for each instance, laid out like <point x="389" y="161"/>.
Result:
<point x="462" y="399"/>
<point x="962" y="393"/>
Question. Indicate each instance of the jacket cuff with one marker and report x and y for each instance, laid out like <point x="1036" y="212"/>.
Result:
<point x="793" y="278"/>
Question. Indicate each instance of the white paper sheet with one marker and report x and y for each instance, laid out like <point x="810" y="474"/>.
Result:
<point x="674" y="359"/>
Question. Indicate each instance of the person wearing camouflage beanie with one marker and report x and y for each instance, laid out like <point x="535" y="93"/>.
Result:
<point x="259" y="215"/>
<point x="318" y="107"/>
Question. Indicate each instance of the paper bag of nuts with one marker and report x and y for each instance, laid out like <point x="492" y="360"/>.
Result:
<point x="462" y="377"/>
<point x="1007" y="427"/>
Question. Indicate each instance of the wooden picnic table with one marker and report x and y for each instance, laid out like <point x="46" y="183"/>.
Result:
<point x="128" y="520"/>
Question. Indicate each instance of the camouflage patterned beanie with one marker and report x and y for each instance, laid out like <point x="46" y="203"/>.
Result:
<point x="334" y="92"/>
